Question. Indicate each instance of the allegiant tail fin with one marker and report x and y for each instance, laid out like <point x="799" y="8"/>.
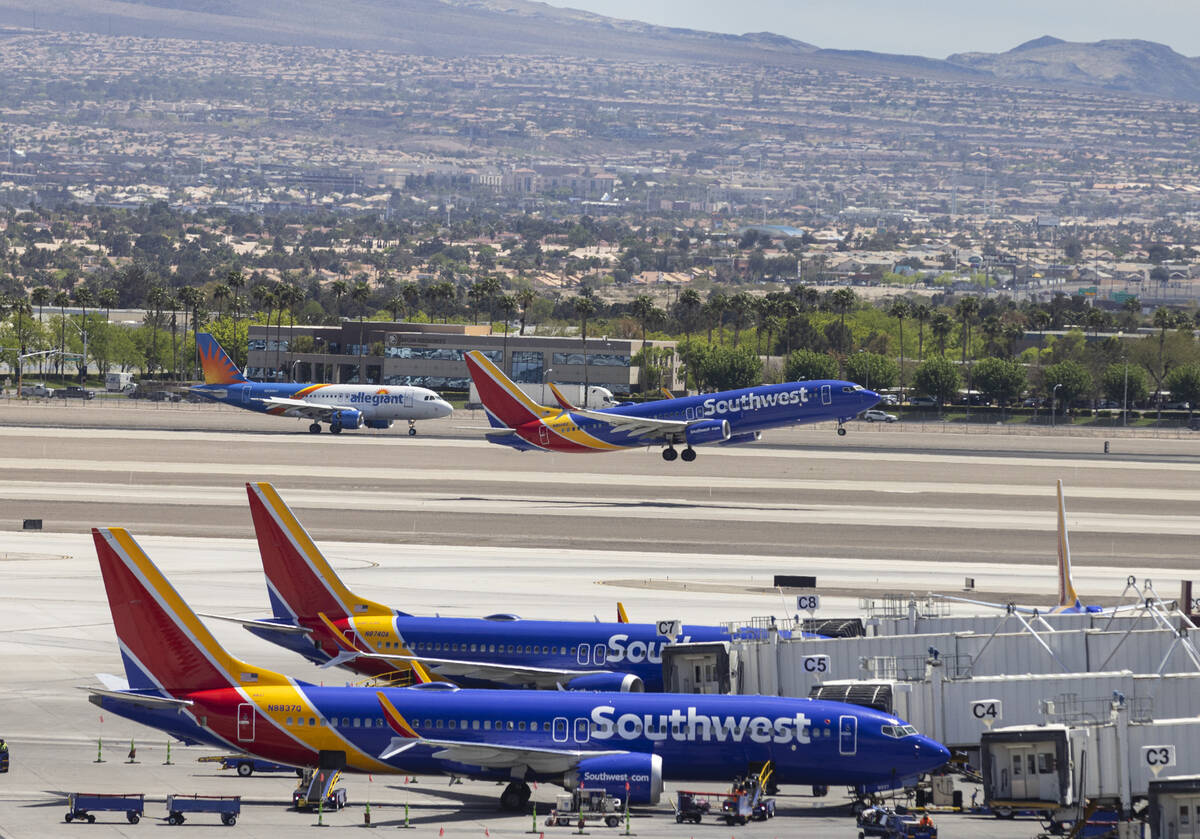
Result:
<point x="506" y="404"/>
<point x="218" y="367"/>
<point x="164" y="645"/>
<point x="1067" y="598"/>
<point x="300" y="581"/>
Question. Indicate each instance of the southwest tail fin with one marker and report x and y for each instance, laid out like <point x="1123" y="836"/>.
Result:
<point x="164" y="645"/>
<point x="219" y="368"/>
<point x="506" y="404"/>
<point x="622" y="617"/>
<point x="300" y="581"/>
<point x="1067" y="598"/>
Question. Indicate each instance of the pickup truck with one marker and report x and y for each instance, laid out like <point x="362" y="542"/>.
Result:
<point x="38" y="390"/>
<point x="75" y="392"/>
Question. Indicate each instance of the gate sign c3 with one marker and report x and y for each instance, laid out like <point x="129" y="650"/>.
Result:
<point x="1155" y="758"/>
<point x="808" y="602"/>
<point x="669" y="629"/>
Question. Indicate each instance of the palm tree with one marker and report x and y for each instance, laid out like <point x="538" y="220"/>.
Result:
<point x="1163" y="320"/>
<point x="843" y="300"/>
<point x="585" y="307"/>
<point x="687" y="309"/>
<point x="61" y="300"/>
<point x="921" y="314"/>
<point x="966" y="309"/>
<point x="172" y="302"/>
<point x="508" y="305"/>
<point x="21" y="309"/>
<point x="155" y="298"/>
<point x="191" y="298"/>
<point x="236" y="281"/>
<point x="264" y="300"/>
<point x="740" y="305"/>
<point x="360" y="294"/>
<point x="395" y="305"/>
<point x="642" y="309"/>
<point x="108" y="298"/>
<point x="525" y="298"/>
<point x="339" y="289"/>
<point x="221" y="294"/>
<point x="714" y="310"/>
<point x="941" y="326"/>
<point x="900" y="310"/>
<point x="412" y="298"/>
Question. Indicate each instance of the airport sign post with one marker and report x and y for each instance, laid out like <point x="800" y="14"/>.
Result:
<point x="669" y="628"/>
<point x="808" y="602"/>
<point x="987" y="711"/>
<point x="1155" y="758"/>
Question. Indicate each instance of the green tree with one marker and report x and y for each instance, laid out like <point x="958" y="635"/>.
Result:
<point x="1122" y="378"/>
<point x="1184" y="384"/>
<point x="937" y="377"/>
<point x="724" y="368"/>
<point x="921" y="313"/>
<point x="941" y="326"/>
<point x="900" y="310"/>
<point x="806" y="365"/>
<point x="999" y="379"/>
<point x="872" y="370"/>
<point x="739" y="306"/>
<point x="967" y="309"/>
<point x="843" y="301"/>
<point x="642" y="309"/>
<point x="1073" y="381"/>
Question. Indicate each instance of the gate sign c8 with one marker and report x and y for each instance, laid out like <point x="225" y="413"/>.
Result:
<point x="987" y="711"/>
<point x="1155" y="758"/>
<point x="816" y="664"/>
<point x="808" y="602"/>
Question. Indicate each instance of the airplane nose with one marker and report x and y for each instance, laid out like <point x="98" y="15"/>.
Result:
<point x="872" y="398"/>
<point x="930" y="754"/>
<point x="445" y="409"/>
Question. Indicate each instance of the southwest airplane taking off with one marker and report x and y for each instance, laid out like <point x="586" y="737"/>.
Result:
<point x="318" y="617"/>
<point x="342" y="406"/>
<point x="182" y="682"/>
<point x="727" y="418"/>
<point x="1068" y="600"/>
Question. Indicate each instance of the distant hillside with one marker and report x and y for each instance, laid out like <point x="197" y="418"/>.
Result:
<point x="452" y="28"/>
<point x="1126" y="66"/>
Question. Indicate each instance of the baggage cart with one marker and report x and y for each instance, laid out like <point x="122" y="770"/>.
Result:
<point x="229" y="807"/>
<point x="82" y="805"/>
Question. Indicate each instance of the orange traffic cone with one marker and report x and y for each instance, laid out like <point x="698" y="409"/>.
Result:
<point x="441" y="831"/>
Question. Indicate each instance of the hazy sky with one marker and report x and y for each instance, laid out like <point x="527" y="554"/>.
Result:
<point x="934" y="28"/>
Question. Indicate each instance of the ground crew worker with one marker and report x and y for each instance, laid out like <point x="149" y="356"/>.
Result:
<point x="926" y="821"/>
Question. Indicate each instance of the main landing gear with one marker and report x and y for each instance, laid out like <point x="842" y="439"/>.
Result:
<point x="412" y="428"/>
<point x="515" y="796"/>
<point x="334" y="428"/>
<point x="315" y="428"/>
<point x="688" y="454"/>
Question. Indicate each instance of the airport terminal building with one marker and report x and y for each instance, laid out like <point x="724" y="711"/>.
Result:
<point x="431" y="355"/>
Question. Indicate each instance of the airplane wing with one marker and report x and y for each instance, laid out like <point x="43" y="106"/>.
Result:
<point x="250" y="623"/>
<point x="639" y="426"/>
<point x="546" y="678"/>
<point x="1047" y="610"/>
<point x="308" y="410"/>
<point x="145" y="700"/>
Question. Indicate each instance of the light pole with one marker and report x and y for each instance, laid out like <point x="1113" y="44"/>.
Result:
<point x="1054" y="403"/>
<point x="1125" y="395"/>
<point x="545" y="374"/>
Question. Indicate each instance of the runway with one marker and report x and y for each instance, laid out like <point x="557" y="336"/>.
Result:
<point x="447" y="523"/>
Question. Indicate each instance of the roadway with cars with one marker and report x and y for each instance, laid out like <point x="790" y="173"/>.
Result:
<point x="446" y="523"/>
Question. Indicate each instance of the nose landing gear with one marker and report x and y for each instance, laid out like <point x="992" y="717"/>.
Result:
<point x="412" y="428"/>
<point x="841" y="429"/>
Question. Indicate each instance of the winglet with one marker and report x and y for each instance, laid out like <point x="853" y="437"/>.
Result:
<point x="562" y="400"/>
<point x="1067" y="598"/>
<point x="666" y="393"/>
<point x="300" y="580"/>
<point x="218" y="367"/>
<point x="621" y="616"/>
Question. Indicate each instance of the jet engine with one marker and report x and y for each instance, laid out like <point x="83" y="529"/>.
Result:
<point x="642" y="773"/>
<point x="347" y="418"/>
<point x="744" y="437"/>
<point x="709" y="431"/>
<point x="613" y="682"/>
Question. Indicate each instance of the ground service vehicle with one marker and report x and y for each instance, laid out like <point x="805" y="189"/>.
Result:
<point x="318" y="784"/>
<point x="247" y="765"/>
<point x="882" y="822"/>
<point x="38" y="390"/>
<point x="229" y="807"/>
<point x="585" y="805"/>
<point x="118" y="381"/>
<point x="75" y="392"/>
<point x="81" y="805"/>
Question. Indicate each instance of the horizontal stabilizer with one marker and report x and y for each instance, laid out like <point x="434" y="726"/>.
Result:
<point x="143" y="699"/>
<point x="270" y="626"/>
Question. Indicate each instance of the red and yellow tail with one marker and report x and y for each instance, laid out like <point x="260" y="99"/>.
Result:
<point x="218" y="367"/>
<point x="162" y="641"/>
<point x="299" y="577"/>
<point x="506" y="403"/>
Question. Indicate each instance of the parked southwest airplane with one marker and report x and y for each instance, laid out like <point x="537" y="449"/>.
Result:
<point x="342" y="406"/>
<point x="1068" y="600"/>
<point x="318" y="617"/>
<point x="182" y="682"/>
<point x="727" y="418"/>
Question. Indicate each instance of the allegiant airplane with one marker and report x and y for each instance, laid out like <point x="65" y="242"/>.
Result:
<point x="181" y="681"/>
<point x="727" y="418"/>
<point x="318" y="617"/>
<point x="342" y="406"/>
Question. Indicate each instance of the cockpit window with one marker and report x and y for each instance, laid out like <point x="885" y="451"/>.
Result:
<point x="898" y="731"/>
<point x="847" y="389"/>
